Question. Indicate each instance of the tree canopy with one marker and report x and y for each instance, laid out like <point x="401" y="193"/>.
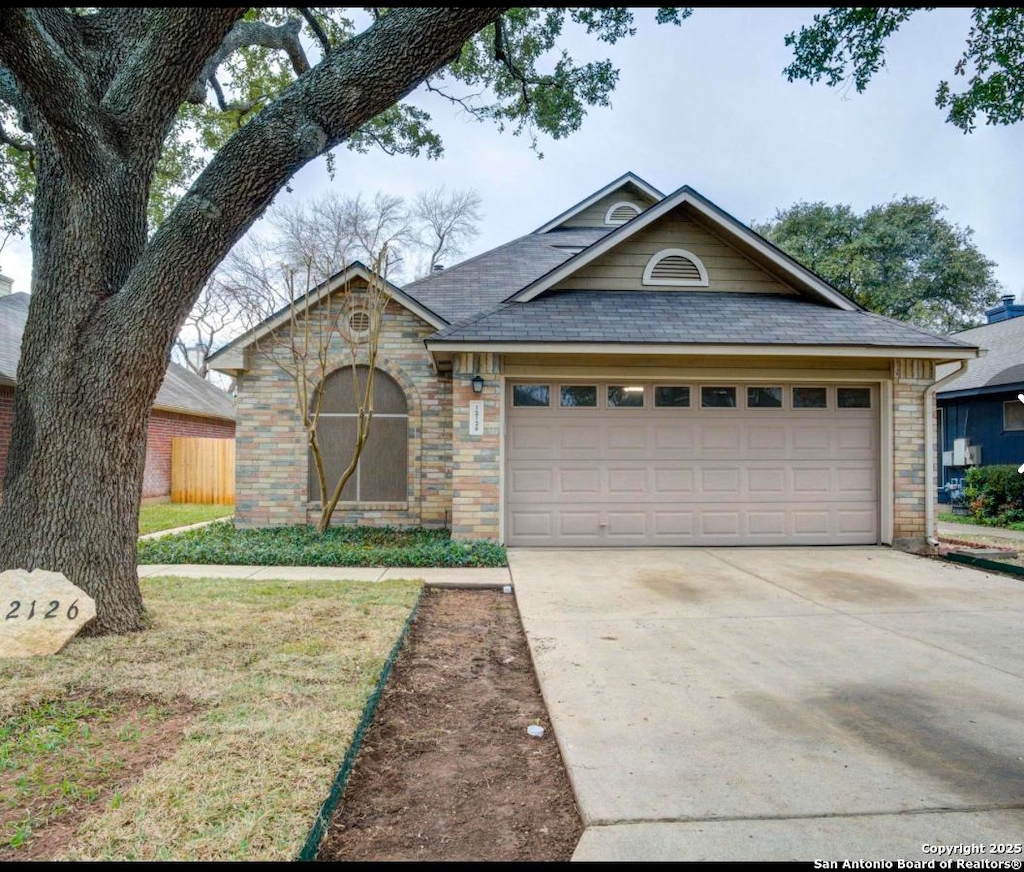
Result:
<point x="901" y="259"/>
<point x="848" y="44"/>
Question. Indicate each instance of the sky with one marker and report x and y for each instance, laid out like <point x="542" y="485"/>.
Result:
<point x="706" y="104"/>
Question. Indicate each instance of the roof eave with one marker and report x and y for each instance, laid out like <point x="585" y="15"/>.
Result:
<point x="447" y="346"/>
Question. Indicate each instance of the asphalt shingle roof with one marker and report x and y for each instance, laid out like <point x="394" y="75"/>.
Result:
<point x="686" y="317"/>
<point x="182" y="391"/>
<point x="477" y="284"/>
<point x="1004" y="363"/>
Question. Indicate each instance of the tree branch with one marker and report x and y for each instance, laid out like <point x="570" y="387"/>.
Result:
<point x="314" y="25"/>
<point x="49" y="86"/>
<point x="248" y="33"/>
<point x="179" y="39"/>
<point x="356" y="82"/>
<point x="15" y="141"/>
<point x="501" y="55"/>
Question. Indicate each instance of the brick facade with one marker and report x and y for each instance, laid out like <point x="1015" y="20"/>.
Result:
<point x="6" y="419"/>
<point x="476" y="460"/>
<point x="911" y="426"/>
<point x="164" y="426"/>
<point x="271" y="469"/>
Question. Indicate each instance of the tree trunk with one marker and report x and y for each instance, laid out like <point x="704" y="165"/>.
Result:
<point x="78" y="443"/>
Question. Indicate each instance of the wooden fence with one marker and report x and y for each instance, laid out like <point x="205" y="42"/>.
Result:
<point x="202" y="470"/>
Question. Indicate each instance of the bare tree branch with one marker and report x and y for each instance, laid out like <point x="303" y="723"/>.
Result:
<point x="462" y="102"/>
<point x="448" y="221"/>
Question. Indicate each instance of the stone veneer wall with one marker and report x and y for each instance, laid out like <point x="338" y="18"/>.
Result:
<point x="911" y="427"/>
<point x="476" y="460"/>
<point x="271" y="465"/>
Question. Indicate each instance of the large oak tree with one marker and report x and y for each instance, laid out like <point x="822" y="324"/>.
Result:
<point x="95" y="113"/>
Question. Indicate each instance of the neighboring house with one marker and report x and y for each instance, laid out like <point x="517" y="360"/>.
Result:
<point x="981" y="407"/>
<point x="185" y="406"/>
<point x="640" y="370"/>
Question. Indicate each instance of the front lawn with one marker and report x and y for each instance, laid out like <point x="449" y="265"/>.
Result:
<point x="167" y="516"/>
<point x="221" y="543"/>
<point x="971" y="520"/>
<point x="214" y="735"/>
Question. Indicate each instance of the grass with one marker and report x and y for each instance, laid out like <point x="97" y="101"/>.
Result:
<point x="167" y="516"/>
<point x="221" y="543"/>
<point x="276" y="675"/>
<point x="950" y="518"/>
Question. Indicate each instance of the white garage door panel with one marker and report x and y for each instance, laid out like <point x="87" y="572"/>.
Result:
<point x="605" y="477"/>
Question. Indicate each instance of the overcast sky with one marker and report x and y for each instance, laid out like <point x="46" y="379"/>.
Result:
<point x="706" y="104"/>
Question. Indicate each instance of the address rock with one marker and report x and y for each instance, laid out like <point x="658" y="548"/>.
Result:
<point x="40" y="612"/>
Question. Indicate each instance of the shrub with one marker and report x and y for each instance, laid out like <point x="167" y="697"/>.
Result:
<point x="996" y="495"/>
<point x="221" y="543"/>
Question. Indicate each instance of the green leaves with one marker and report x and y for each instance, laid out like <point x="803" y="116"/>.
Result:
<point x="221" y="543"/>
<point x="848" y="45"/>
<point x="901" y="259"/>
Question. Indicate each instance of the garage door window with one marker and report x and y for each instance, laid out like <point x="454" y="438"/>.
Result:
<point x="717" y="397"/>
<point x="810" y="398"/>
<point x="578" y="396"/>
<point x="672" y="397"/>
<point x="853" y="398"/>
<point x="764" y="398"/>
<point x="625" y="397"/>
<point x="535" y="396"/>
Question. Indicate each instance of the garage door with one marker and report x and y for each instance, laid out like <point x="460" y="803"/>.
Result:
<point x="618" y="464"/>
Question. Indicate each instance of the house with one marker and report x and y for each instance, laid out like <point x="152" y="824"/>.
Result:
<point x="640" y="370"/>
<point x="981" y="421"/>
<point x="185" y="406"/>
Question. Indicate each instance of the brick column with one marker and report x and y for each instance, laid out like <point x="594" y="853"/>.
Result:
<point x="476" y="465"/>
<point x="911" y="427"/>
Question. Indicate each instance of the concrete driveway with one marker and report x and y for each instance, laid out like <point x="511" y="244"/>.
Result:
<point x="778" y="704"/>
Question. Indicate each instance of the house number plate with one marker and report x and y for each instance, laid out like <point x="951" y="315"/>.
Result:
<point x="40" y="612"/>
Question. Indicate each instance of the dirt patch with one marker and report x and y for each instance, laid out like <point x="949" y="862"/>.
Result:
<point x="447" y="770"/>
<point x="67" y="759"/>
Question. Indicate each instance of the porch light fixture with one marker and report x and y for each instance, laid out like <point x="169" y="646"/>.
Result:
<point x="478" y="384"/>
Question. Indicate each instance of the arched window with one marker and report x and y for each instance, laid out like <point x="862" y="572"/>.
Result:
<point x="382" y="473"/>
<point x="677" y="268"/>
<point x="620" y="213"/>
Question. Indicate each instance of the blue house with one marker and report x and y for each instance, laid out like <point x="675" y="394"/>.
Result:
<point x="981" y="420"/>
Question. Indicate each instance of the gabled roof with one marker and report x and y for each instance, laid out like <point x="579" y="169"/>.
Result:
<point x="625" y="180"/>
<point x="695" y="318"/>
<point x="226" y="356"/>
<point x="468" y="288"/>
<point x="745" y="239"/>
<point x="182" y="390"/>
<point x="1001" y="368"/>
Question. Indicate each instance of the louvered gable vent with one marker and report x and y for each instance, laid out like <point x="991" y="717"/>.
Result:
<point x="675" y="267"/>
<point x="620" y="213"/>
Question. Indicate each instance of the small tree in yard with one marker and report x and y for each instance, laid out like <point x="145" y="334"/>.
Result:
<point x="325" y="326"/>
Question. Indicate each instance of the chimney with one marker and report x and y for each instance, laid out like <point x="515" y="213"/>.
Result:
<point x="438" y="267"/>
<point x="1008" y="308"/>
<point x="6" y="285"/>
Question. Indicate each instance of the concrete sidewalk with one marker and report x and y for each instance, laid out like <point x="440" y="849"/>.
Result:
<point x="433" y="576"/>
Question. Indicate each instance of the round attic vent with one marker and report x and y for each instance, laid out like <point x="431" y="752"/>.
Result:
<point x="359" y="322"/>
